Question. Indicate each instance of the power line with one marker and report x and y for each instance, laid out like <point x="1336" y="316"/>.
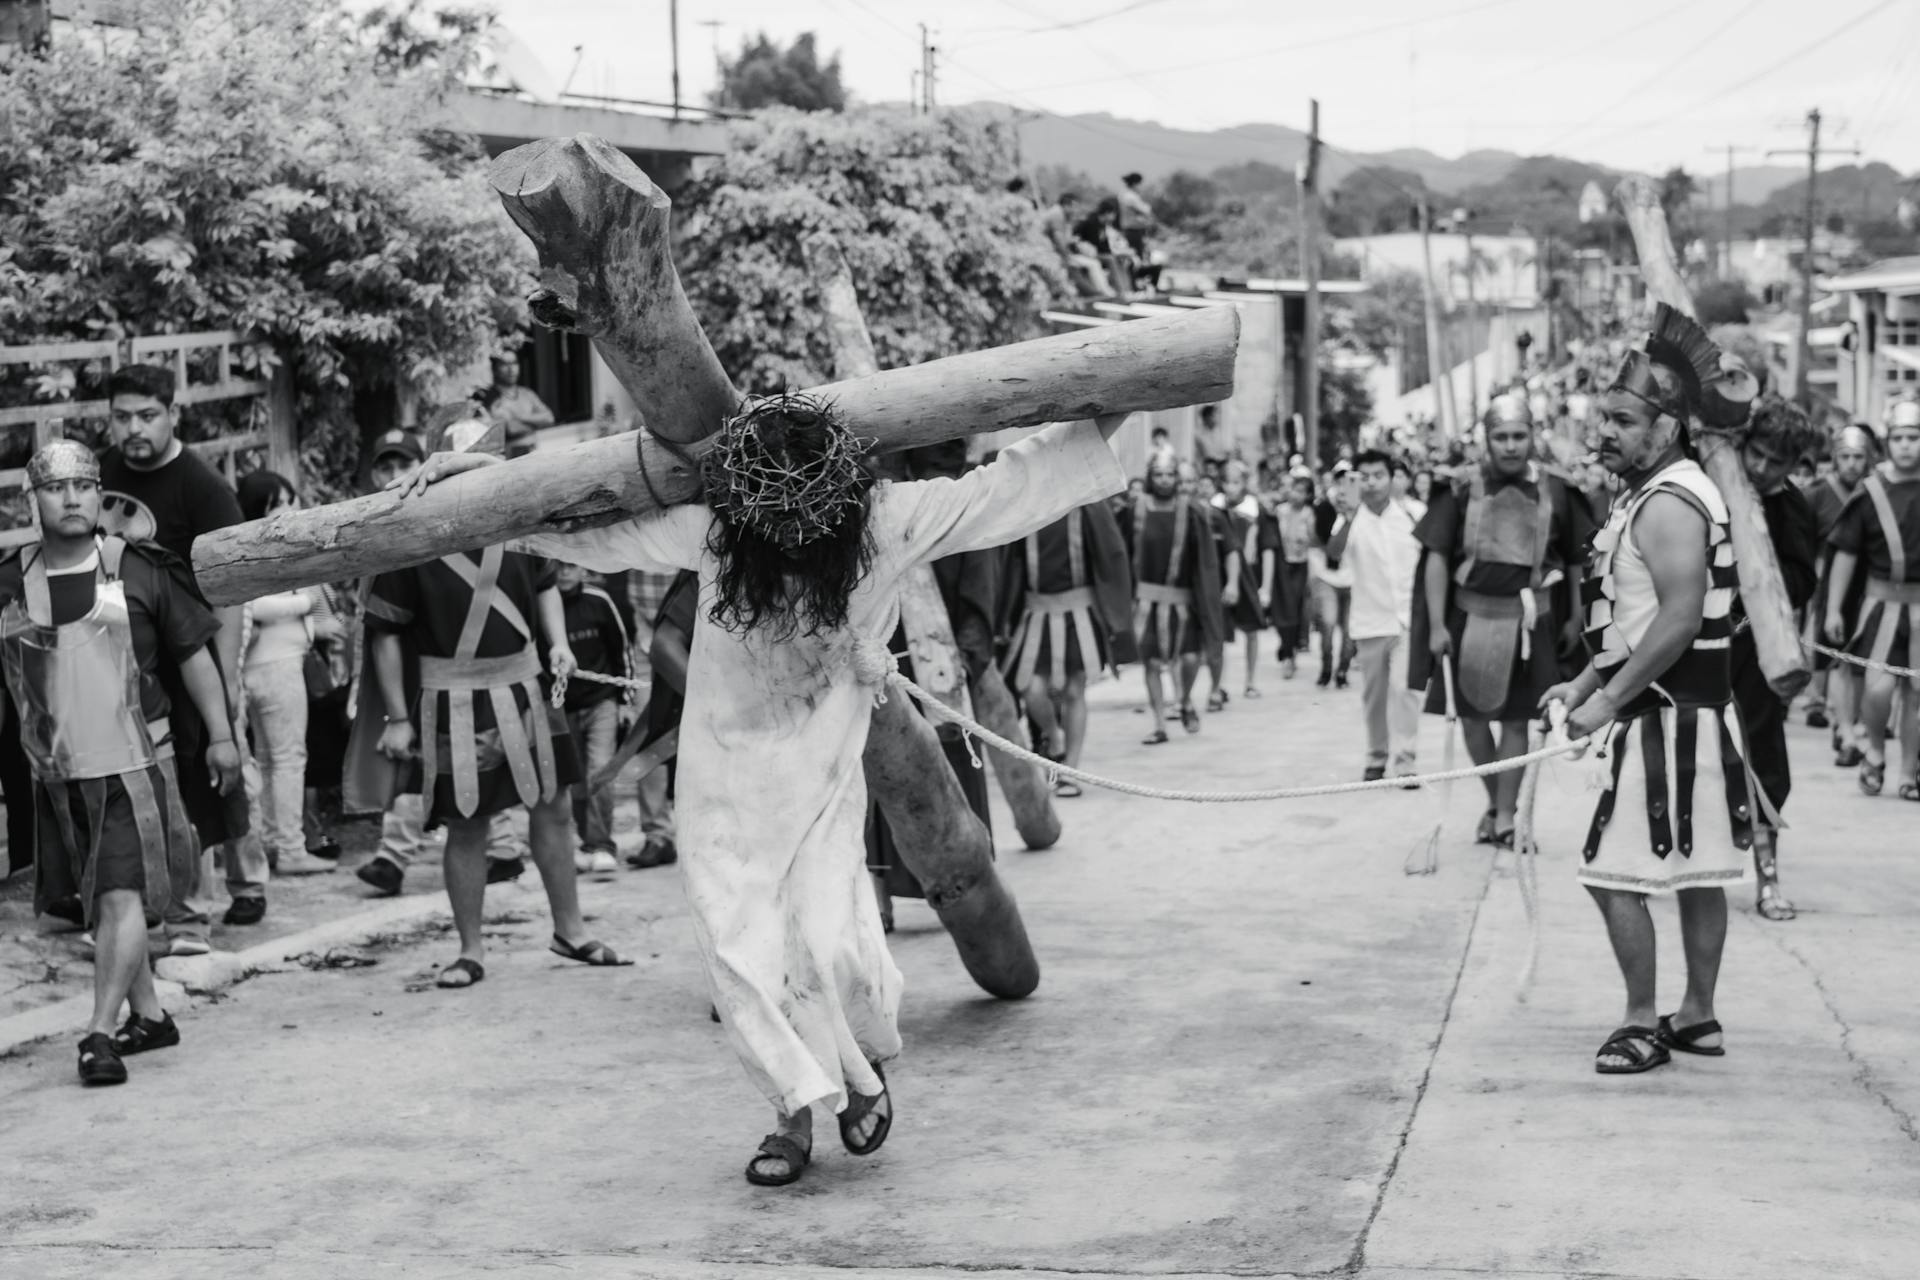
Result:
<point x="1077" y="23"/>
<point x="1668" y="117"/>
<point x="1361" y="33"/>
<point x="1664" y="71"/>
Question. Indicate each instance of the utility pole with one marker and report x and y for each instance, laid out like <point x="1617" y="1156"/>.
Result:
<point x="1310" y="257"/>
<point x="1726" y="221"/>
<point x="673" y="39"/>
<point x="1437" y="369"/>
<point x="1473" y="335"/>
<point x="929" y="56"/>
<point x="1803" y="344"/>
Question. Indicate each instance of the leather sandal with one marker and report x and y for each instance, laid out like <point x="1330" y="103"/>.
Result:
<point x="778" y="1146"/>
<point x="591" y="952"/>
<point x="1626" y="1043"/>
<point x="859" y="1107"/>
<point x="1687" y="1039"/>
<point x="471" y="973"/>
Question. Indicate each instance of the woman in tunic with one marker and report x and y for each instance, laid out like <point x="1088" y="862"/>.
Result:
<point x="799" y="558"/>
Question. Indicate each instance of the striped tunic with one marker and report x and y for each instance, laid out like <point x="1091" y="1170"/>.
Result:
<point x="1679" y="809"/>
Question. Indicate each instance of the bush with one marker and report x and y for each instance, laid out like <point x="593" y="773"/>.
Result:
<point x="245" y="164"/>
<point x="1724" y="302"/>
<point x="943" y="259"/>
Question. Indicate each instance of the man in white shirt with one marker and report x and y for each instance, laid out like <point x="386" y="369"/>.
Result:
<point x="1378" y="548"/>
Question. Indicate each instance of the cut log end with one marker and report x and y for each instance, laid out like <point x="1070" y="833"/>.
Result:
<point x="545" y="162"/>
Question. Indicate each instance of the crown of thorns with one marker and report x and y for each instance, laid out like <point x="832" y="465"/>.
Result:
<point x="791" y="501"/>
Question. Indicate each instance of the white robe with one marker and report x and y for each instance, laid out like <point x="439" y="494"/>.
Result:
<point x="772" y="803"/>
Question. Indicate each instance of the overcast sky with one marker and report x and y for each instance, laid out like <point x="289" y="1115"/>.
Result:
<point x="1640" y="84"/>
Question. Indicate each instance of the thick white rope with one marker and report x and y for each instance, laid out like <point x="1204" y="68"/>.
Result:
<point x="973" y="729"/>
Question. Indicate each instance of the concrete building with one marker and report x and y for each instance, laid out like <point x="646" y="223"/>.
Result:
<point x="1268" y="373"/>
<point x="1505" y="267"/>
<point x="1877" y="346"/>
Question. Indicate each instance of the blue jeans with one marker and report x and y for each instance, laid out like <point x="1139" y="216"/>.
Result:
<point x="596" y="730"/>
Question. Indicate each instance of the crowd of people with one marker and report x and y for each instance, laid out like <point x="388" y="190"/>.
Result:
<point x="1485" y="581"/>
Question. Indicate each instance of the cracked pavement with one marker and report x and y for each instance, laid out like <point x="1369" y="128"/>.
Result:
<point x="1257" y="1049"/>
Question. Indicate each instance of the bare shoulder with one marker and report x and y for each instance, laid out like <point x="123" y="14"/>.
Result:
<point x="1670" y="520"/>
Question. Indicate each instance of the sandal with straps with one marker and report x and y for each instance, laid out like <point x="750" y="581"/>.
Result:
<point x="1910" y="789"/>
<point x="778" y="1146"/>
<point x="1217" y="700"/>
<point x="1625" y="1043"/>
<point x="1873" y="776"/>
<point x="591" y="952"/>
<point x="1154" y="739"/>
<point x="859" y="1107"/>
<point x="1687" y="1039"/>
<point x="471" y="973"/>
<point x="1189" y="719"/>
<point x="1486" y="831"/>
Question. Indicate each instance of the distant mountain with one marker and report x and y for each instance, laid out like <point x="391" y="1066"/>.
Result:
<point x="1106" y="146"/>
<point x="1751" y="185"/>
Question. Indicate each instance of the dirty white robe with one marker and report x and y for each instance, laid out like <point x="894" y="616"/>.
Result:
<point x="772" y="798"/>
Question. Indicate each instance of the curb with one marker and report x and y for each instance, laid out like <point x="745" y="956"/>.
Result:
<point x="202" y="974"/>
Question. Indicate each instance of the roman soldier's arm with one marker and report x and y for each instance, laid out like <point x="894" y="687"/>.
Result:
<point x="1438" y="638"/>
<point x="209" y="693"/>
<point x="1845" y="564"/>
<point x="389" y="671"/>
<point x="553" y="625"/>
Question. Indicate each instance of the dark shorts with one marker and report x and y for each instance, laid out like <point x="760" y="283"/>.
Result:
<point x="91" y="830"/>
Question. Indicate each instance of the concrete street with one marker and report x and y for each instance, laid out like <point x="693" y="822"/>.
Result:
<point x="1258" y="1049"/>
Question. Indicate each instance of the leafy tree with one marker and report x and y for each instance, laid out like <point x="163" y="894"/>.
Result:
<point x="247" y="164"/>
<point x="1346" y="404"/>
<point x="1183" y="197"/>
<point x="409" y="37"/>
<point x="763" y="74"/>
<point x="943" y="259"/>
<point x="1724" y="302"/>
<point x="1375" y="199"/>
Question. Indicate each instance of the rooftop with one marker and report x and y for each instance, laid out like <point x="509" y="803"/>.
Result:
<point x="1897" y="274"/>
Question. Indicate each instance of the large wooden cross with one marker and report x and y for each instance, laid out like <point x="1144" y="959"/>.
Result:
<point x="601" y="230"/>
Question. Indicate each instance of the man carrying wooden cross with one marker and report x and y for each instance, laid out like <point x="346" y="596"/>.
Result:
<point x="800" y="557"/>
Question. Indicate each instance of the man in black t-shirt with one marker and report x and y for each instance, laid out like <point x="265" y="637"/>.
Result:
<point x="153" y="488"/>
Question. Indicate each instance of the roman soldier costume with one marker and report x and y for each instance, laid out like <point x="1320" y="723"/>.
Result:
<point x="1680" y="807"/>
<point x="1882" y="526"/>
<point x="1507" y="539"/>
<point x="1176" y="573"/>
<point x="1068" y="598"/>
<point x="94" y="726"/>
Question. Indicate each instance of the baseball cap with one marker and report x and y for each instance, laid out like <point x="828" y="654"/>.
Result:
<point x="399" y="441"/>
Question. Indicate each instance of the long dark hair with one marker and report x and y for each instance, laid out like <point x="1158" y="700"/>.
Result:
<point x="803" y="588"/>
<point x="259" y="490"/>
